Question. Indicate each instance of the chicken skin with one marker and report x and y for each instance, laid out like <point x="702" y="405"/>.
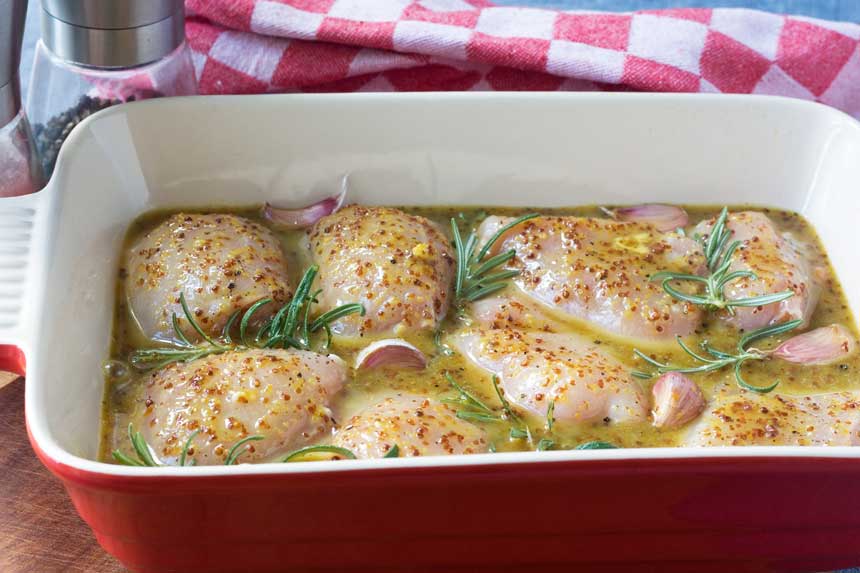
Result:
<point x="282" y="395"/>
<point x="534" y="369"/>
<point x="399" y="266"/>
<point x="779" y="265"/>
<point x="417" y="425"/>
<point x="221" y="263"/>
<point x="598" y="271"/>
<point x="749" y="419"/>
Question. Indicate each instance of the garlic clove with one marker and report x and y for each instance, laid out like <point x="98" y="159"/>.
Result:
<point x="390" y="352"/>
<point x="664" y="217"/>
<point x="823" y="345"/>
<point x="306" y="216"/>
<point x="677" y="400"/>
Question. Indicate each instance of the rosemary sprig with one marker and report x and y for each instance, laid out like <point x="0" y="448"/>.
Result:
<point x="468" y="400"/>
<point x="474" y="410"/>
<point x="302" y="452"/>
<point x="717" y="359"/>
<point x="718" y="257"/>
<point x="182" y="350"/>
<point x="478" y="276"/>
<point x="290" y="327"/>
<point x="145" y="457"/>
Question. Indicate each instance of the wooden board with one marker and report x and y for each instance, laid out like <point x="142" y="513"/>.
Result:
<point x="39" y="528"/>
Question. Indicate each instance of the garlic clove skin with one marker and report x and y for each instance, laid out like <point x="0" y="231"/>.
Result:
<point x="664" y="217"/>
<point x="390" y="352"/>
<point x="306" y="216"/>
<point x="677" y="400"/>
<point x="821" y="346"/>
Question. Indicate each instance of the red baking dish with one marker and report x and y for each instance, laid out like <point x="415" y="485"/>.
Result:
<point x="660" y="509"/>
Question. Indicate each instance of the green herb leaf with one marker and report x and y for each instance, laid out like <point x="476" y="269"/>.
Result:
<point x="477" y="276"/>
<point x="141" y="449"/>
<point x="466" y="397"/>
<point x="518" y="434"/>
<point x="474" y="410"/>
<point x="718" y="359"/>
<point x="186" y="447"/>
<point x="477" y="416"/>
<point x="545" y="444"/>
<point x="300" y="453"/>
<point x="290" y="327"/>
<point x="596" y="446"/>
<point x="550" y="415"/>
<point x="238" y="449"/>
<point x="440" y="346"/>
<point x="394" y="452"/>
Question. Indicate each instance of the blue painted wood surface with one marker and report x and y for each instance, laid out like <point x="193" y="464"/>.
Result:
<point x="848" y="10"/>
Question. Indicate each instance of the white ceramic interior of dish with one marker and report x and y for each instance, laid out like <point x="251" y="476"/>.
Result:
<point x="542" y="150"/>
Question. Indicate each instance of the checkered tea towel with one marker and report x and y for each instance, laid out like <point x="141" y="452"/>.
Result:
<point x="253" y="46"/>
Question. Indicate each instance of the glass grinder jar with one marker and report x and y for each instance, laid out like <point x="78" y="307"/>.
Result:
<point x="19" y="171"/>
<point x="97" y="53"/>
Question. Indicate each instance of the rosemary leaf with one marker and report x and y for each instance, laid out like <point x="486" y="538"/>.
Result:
<point x="238" y="449"/>
<point x="225" y="334"/>
<point x="596" y="445"/>
<point x="191" y="320"/>
<point x="298" y="454"/>
<point x="441" y="348"/>
<point x="394" y="452"/>
<point x="246" y="319"/>
<point x="477" y="416"/>
<point x="518" y="434"/>
<point x="545" y="444"/>
<point x="186" y="447"/>
<point x="141" y="448"/>
<point x="124" y="459"/>
<point x="498" y="234"/>
<point x="336" y="313"/>
<point x="466" y="397"/>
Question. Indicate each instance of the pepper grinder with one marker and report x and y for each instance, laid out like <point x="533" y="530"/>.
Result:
<point x="97" y="53"/>
<point x="20" y="173"/>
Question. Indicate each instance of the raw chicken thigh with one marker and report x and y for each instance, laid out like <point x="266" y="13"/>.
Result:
<point x="504" y="312"/>
<point x="221" y="263"/>
<point x="779" y="265"/>
<point x="598" y="270"/>
<point x="535" y="369"/>
<point x="399" y="266"/>
<point x="282" y="395"/>
<point x="749" y="419"/>
<point x="417" y="425"/>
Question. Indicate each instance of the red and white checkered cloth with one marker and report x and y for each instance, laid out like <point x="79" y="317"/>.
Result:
<point x="253" y="46"/>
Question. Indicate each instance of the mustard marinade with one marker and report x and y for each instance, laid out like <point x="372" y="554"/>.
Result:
<point x="124" y="401"/>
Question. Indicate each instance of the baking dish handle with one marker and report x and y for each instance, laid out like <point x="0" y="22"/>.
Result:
<point x="22" y="242"/>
